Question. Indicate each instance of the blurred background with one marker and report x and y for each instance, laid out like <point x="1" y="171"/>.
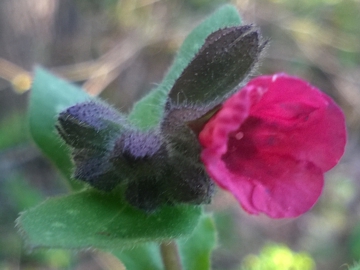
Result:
<point x="124" y="47"/>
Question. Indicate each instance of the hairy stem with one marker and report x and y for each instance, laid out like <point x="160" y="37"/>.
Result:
<point x="170" y="255"/>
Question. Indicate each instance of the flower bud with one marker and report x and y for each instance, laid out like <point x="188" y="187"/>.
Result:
<point x="91" y="128"/>
<point x="225" y="60"/>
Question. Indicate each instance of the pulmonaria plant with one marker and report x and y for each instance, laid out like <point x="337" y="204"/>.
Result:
<point x="268" y="142"/>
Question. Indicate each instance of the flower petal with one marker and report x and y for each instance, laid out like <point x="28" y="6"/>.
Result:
<point x="299" y="119"/>
<point x="283" y="188"/>
<point x="271" y="142"/>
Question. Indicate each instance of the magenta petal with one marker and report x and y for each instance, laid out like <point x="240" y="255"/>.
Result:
<point x="271" y="142"/>
<point x="293" y="192"/>
<point x="299" y="120"/>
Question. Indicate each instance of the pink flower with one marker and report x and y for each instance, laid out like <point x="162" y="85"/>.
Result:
<point x="271" y="142"/>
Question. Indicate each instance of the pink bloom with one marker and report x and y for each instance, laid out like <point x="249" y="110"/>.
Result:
<point x="271" y="142"/>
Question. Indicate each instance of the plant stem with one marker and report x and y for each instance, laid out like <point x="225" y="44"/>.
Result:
<point x="108" y="261"/>
<point x="170" y="255"/>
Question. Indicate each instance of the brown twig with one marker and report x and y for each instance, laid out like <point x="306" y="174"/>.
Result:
<point x="19" y="78"/>
<point x="97" y="74"/>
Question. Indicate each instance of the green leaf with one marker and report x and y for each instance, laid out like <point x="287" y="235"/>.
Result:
<point x="49" y="96"/>
<point x="102" y="220"/>
<point x="196" y="250"/>
<point x="143" y="257"/>
<point x="148" y="112"/>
